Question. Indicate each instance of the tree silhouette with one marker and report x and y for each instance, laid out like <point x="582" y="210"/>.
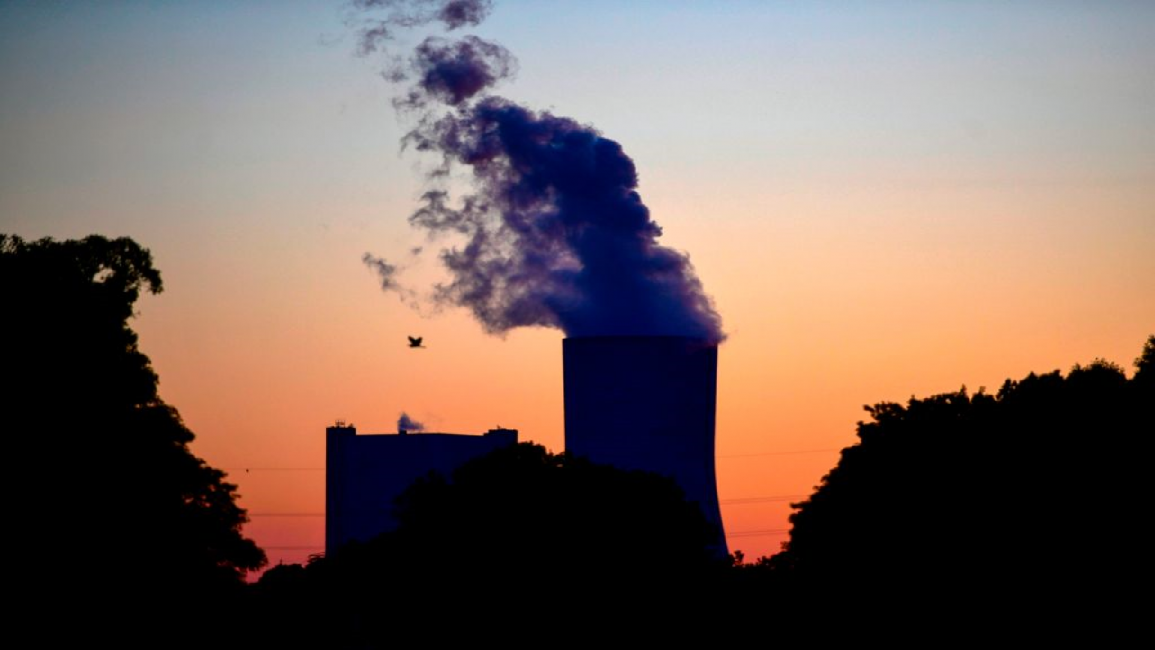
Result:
<point x="1033" y="492"/>
<point x="519" y="529"/>
<point x="114" y="512"/>
<point x="1145" y="365"/>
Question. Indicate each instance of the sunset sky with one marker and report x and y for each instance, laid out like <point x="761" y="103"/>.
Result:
<point x="883" y="199"/>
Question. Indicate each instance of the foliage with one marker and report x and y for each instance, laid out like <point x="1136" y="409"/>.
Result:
<point x="1145" y="364"/>
<point x="114" y="496"/>
<point x="520" y="530"/>
<point x="1033" y="489"/>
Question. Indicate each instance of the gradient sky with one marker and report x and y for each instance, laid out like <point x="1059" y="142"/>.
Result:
<point x="884" y="199"/>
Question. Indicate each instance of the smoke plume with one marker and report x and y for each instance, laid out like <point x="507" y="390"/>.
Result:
<point x="555" y="233"/>
<point x="385" y="271"/>
<point x="405" y="14"/>
<point x="408" y="424"/>
<point x="453" y="72"/>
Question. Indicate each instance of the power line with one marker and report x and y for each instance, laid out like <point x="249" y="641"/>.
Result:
<point x="751" y="455"/>
<point x="780" y="453"/>
<point x="743" y="501"/>
<point x="273" y="469"/>
<point x="758" y="533"/>
<point x="764" y="532"/>
<point x="739" y="533"/>
<point x="725" y="502"/>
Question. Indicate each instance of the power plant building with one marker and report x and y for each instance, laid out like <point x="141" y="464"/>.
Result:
<point x="647" y="403"/>
<point x="633" y="402"/>
<point x="366" y="472"/>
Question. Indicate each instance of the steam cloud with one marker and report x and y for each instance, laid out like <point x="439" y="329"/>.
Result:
<point x="406" y="423"/>
<point x="386" y="272"/>
<point x="414" y="13"/>
<point x="454" y="72"/>
<point x="555" y="232"/>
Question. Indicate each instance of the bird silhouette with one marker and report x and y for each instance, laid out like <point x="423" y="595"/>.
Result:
<point x="415" y="342"/>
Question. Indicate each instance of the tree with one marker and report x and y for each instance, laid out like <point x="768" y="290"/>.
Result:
<point x="1145" y="364"/>
<point x="110" y="493"/>
<point x="1038" y="491"/>
<point x="518" y="530"/>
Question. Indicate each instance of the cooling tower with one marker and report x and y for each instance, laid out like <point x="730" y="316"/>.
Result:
<point x="646" y="402"/>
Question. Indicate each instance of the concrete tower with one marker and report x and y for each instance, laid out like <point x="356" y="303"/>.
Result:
<point x="646" y="402"/>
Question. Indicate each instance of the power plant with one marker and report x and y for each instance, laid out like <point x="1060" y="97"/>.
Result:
<point x="633" y="402"/>
<point x="556" y="235"/>
<point x="365" y="473"/>
<point x="648" y="403"/>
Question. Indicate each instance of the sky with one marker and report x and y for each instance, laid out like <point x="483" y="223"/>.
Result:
<point x="884" y="200"/>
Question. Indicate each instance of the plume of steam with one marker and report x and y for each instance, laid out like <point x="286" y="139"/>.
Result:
<point x="454" y="72"/>
<point x="413" y="13"/>
<point x="387" y="275"/>
<point x="555" y="233"/>
<point x="408" y="424"/>
<point x="386" y="272"/>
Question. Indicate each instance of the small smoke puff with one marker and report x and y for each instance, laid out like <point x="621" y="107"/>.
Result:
<point x="372" y="37"/>
<point x="454" y="72"/>
<point x="438" y="216"/>
<point x="386" y="272"/>
<point x="406" y="423"/>
<point x="459" y="13"/>
<point x="412" y="13"/>
<point x="407" y="14"/>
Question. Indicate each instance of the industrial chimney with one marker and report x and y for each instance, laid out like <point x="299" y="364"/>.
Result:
<point x="648" y="403"/>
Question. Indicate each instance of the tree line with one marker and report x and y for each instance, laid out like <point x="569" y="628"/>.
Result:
<point x="1036" y="492"/>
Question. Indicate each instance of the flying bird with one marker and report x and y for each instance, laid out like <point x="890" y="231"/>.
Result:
<point x="415" y="342"/>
